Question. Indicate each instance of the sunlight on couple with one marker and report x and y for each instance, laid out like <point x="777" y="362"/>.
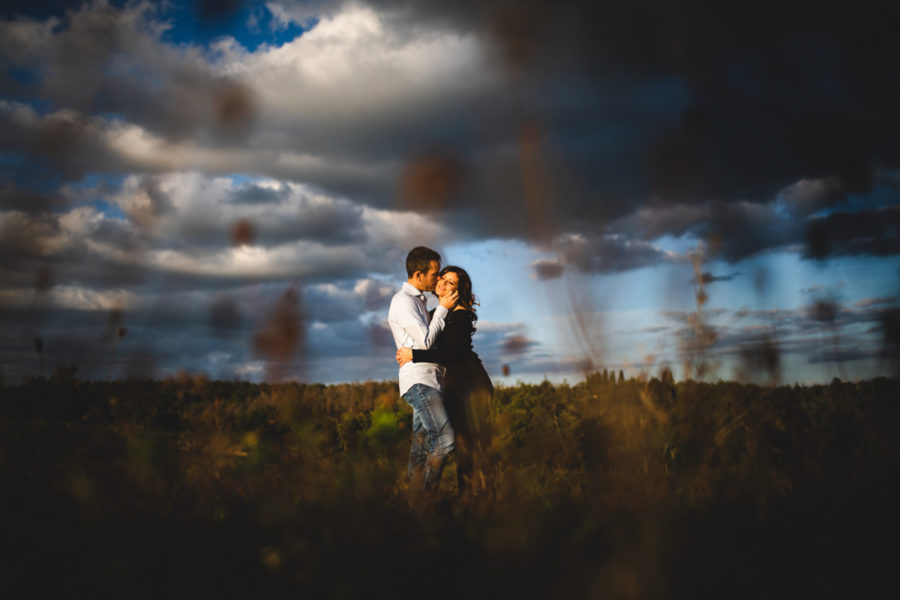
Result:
<point x="441" y="376"/>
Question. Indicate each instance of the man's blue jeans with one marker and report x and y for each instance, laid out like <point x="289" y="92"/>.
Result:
<point x="432" y="436"/>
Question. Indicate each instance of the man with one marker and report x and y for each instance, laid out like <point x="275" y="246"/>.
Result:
<point x="421" y="383"/>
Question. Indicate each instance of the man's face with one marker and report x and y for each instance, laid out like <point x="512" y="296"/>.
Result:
<point x="428" y="280"/>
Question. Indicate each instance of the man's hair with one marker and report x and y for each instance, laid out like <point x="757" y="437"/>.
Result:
<point x="419" y="259"/>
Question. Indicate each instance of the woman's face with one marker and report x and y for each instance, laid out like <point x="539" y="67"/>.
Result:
<point x="446" y="284"/>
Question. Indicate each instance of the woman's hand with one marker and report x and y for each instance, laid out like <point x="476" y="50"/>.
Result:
<point x="404" y="355"/>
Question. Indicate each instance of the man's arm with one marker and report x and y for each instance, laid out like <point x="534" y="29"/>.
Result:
<point x="405" y="314"/>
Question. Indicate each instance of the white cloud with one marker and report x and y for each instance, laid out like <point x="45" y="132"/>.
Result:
<point x="83" y="144"/>
<point x="867" y="302"/>
<point x="72" y="297"/>
<point x="807" y="196"/>
<point x="218" y="357"/>
<point x="250" y="370"/>
<point x="352" y="67"/>
<point x="495" y="327"/>
<point x="182" y="224"/>
<point x="81" y="221"/>
<point x="339" y="107"/>
<point x="303" y="233"/>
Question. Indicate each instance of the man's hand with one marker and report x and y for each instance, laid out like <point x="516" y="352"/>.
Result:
<point x="449" y="301"/>
<point x="404" y="355"/>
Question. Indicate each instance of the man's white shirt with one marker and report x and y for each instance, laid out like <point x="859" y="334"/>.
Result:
<point x="408" y="318"/>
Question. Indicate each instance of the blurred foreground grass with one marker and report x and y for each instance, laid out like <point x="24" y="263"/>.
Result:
<point x="636" y="489"/>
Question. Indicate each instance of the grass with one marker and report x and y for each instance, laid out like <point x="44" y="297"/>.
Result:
<point x="640" y="489"/>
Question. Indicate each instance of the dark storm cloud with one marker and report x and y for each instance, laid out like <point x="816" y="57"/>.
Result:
<point x="735" y="231"/>
<point x="516" y="345"/>
<point x="328" y="223"/>
<point x="708" y="277"/>
<point x="807" y="197"/>
<point x="62" y="145"/>
<point x="12" y="198"/>
<point x="767" y="96"/>
<point x="79" y="248"/>
<point x="548" y="268"/>
<point x="872" y="232"/>
<point x="24" y="237"/>
<point x="66" y="145"/>
<point x="635" y="105"/>
<point x="103" y="59"/>
<point x="763" y="96"/>
<point x="731" y="230"/>
<point x="598" y="254"/>
<point x="791" y="65"/>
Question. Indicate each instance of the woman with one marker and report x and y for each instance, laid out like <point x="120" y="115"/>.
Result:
<point x="467" y="387"/>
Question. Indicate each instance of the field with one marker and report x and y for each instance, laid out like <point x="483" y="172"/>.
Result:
<point x="603" y="489"/>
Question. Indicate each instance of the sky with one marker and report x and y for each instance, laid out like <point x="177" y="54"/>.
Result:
<point x="231" y="188"/>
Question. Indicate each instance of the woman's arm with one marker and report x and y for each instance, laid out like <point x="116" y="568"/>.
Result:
<point x="454" y="341"/>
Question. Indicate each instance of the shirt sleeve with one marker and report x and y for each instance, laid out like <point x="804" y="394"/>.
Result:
<point x="455" y="341"/>
<point x="413" y="322"/>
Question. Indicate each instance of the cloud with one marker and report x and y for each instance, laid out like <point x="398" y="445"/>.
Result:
<point x="708" y="277"/>
<point x="73" y="145"/>
<point x="740" y="230"/>
<point x="158" y="248"/>
<point x="600" y="134"/>
<point x="499" y="328"/>
<point x="547" y="268"/>
<point x="608" y="253"/>
<point x="15" y="199"/>
<point x="71" y="297"/>
<point x="808" y="196"/>
<point x="516" y="344"/>
<point x="103" y="59"/>
<point x="349" y="300"/>
<point x="766" y="106"/>
<point x="867" y="302"/>
<point x="171" y="234"/>
<point x="303" y="13"/>
<point x="871" y="232"/>
<point x="375" y="294"/>
<point x="697" y="142"/>
<point x="203" y="209"/>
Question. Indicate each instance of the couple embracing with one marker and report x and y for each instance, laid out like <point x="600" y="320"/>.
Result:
<point x="441" y="377"/>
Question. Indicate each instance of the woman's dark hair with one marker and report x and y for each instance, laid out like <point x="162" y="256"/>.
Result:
<point x="466" y="298"/>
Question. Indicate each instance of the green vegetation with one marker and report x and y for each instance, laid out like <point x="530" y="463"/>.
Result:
<point x="608" y="488"/>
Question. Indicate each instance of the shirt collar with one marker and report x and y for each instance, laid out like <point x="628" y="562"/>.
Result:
<point x="412" y="291"/>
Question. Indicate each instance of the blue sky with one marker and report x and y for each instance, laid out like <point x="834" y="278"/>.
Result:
<point x="231" y="188"/>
